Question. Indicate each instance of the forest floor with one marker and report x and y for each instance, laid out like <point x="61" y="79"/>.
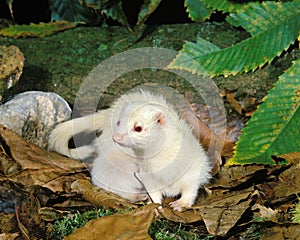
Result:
<point x="61" y="63"/>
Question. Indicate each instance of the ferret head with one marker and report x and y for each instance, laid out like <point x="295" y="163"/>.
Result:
<point x="140" y="126"/>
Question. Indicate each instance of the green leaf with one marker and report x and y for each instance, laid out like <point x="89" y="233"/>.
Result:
<point x="114" y="10"/>
<point x="191" y="51"/>
<point x="36" y="30"/>
<point x="257" y="18"/>
<point x="147" y="9"/>
<point x="251" y="53"/>
<point x="197" y="10"/>
<point x="274" y="129"/>
<point x="73" y="11"/>
<point x="9" y="4"/>
<point x="224" y="5"/>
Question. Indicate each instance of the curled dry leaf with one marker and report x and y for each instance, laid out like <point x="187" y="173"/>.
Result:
<point x="128" y="225"/>
<point x="199" y="118"/>
<point x="221" y="213"/>
<point x="99" y="197"/>
<point x="36" y="166"/>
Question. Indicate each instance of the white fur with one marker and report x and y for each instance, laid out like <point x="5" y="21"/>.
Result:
<point x="142" y="135"/>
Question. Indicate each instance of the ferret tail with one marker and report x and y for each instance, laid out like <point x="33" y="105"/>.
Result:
<point x="62" y="134"/>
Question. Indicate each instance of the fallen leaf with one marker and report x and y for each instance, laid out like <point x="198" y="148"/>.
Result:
<point x="244" y="105"/>
<point x="37" y="30"/>
<point x="279" y="232"/>
<point x="217" y="145"/>
<point x="36" y="166"/>
<point x="265" y="213"/>
<point x="230" y="96"/>
<point x="8" y="236"/>
<point x="129" y="225"/>
<point x="99" y="197"/>
<point x="288" y="183"/>
<point x="188" y="216"/>
<point x="232" y="176"/>
<point x="220" y="214"/>
<point x="293" y="157"/>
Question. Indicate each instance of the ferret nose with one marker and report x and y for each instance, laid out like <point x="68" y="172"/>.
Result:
<point x="117" y="137"/>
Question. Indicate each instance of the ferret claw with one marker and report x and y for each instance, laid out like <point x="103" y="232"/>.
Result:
<point x="179" y="205"/>
<point x="158" y="211"/>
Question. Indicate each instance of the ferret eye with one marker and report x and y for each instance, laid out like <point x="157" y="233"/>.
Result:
<point x="118" y="123"/>
<point x="138" y="128"/>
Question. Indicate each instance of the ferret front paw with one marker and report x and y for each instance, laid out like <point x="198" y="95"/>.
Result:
<point x="179" y="205"/>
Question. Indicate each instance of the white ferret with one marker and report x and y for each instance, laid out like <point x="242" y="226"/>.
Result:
<point x="144" y="149"/>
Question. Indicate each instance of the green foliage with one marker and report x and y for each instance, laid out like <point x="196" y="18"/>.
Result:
<point x="271" y="35"/>
<point x="75" y="10"/>
<point x="147" y="9"/>
<point x="166" y="230"/>
<point x="93" y="12"/>
<point x="72" y="11"/>
<point x="67" y="225"/>
<point x="274" y="127"/>
<point x="224" y="5"/>
<point x="197" y="10"/>
<point x="296" y="212"/>
<point x="36" y="30"/>
<point x="258" y="18"/>
<point x="114" y="10"/>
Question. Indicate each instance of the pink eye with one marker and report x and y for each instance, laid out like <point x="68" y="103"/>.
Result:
<point x="138" y="128"/>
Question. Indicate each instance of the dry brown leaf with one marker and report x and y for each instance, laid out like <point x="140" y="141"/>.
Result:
<point x="188" y="216"/>
<point x="208" y="137"/>
<point x="130" y="225"/>
<point x="215" y="144"/>
<point x="204" y="134"/>
<point x="288" y="183"/>
<point x="232" y="176"/>
<point x="8" y="236"/>
<point x="75" y="203"/>
<point x="6" y="224"/>
<point x="99" y="197"/>
<point x="36" y="166"/>
<point x="245" y="105"/>
<point x="293" y="157"/>
<point x="230" y="96"/>
<point x="221" y="214"/>
<point x="279" y="232"/>
<point x="266" y="213"/>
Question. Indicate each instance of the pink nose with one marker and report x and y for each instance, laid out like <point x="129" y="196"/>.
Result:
<point x="117" y="137"/>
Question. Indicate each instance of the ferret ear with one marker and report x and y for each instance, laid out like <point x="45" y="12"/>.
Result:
<point x="160" y="118"/>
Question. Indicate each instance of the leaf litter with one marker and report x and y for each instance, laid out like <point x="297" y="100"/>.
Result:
<point x="45" y="186"/>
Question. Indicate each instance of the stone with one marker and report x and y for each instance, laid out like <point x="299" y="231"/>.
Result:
<point x="34" y="114"/>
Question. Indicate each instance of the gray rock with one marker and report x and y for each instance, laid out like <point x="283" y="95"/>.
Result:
<point x="33" y="115"/>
